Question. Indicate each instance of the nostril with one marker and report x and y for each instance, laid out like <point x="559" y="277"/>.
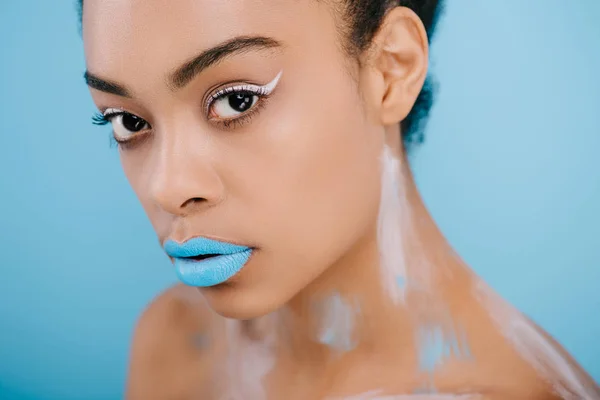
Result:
<point x="193" y="201"/>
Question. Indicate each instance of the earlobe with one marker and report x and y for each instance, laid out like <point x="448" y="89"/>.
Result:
<point x="400" y="56"/>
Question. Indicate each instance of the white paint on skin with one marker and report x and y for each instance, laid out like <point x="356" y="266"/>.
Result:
<point x="393" y="211"/>
<point x="410" y="283"/>
<point x="534" y="347"/>
<point x="398" y="276"/>
<point x="437" y="345"/>
<point x="338" y="323"/>
<point x="248" y="363"/>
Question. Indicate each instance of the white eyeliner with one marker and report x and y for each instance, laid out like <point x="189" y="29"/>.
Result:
<point x="264" y="90"/>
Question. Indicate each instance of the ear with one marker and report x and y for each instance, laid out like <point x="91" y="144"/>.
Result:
<point x="397" y="65"/>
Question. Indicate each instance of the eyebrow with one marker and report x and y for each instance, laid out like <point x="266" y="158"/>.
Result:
<point x="192" y="68"/>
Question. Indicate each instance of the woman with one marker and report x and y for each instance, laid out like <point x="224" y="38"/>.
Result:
<point x="266" y="141"/>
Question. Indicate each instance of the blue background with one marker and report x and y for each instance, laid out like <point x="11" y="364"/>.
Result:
<point x="510" y="170"/>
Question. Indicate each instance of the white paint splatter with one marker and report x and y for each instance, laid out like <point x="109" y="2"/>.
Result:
<point x="411" y="283"/>
<point x="437" y="345"/>
<point x="338" y="323"/>
<point x="393" y="210"/>
<point x="394" y="223"/>
<point x="248" y="363"/>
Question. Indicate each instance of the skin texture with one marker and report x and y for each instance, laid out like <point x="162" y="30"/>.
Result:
<point x="301" y="183"/>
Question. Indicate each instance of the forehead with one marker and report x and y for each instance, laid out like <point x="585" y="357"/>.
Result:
<point x="121" y="35"/>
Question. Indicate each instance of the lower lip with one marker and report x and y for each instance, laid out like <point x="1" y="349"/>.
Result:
<point x="211" y="271"/>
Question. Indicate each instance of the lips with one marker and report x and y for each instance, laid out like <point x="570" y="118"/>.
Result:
<point x="206" y="262"/>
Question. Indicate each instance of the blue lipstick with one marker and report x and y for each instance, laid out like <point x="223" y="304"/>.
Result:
<point x="205" y="262"/>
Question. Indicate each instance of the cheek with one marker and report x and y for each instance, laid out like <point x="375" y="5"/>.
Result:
<point x="134" y="174"/>
<point x="338" y="189"/>
<point x="321" y="191"/>
<point x="135" y="166"/>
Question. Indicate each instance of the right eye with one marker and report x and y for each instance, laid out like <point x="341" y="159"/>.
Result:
<point x="125" y="125"/>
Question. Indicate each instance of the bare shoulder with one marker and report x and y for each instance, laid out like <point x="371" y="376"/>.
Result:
<point x="546" y="371"/>
<point x="179" y="308"/>
<point x="517" y="360"/>
<point x="171" y="349"/>
<point x="570" y="377"/>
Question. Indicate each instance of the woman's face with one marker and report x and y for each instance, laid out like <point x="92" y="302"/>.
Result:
<point x="294" y="174"/>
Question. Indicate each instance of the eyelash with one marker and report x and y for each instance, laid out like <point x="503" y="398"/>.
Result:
<point x="100" y="119"/>
<point x="104" y="119"/>
<point x="226" y="124"/>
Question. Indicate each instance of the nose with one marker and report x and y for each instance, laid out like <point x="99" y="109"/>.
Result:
<point x="184" y="180"/>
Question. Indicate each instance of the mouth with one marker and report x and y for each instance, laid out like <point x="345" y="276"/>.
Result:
<point x="204" y="262"/>
<point x="201" y="257"/>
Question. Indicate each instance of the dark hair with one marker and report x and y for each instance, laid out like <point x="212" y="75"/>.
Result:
<point x="365" y="17"/>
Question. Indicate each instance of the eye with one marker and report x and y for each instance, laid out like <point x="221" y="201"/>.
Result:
<point x="125" y="124"/>
<point x="235" y="103"/>
<point x="231" y="105"/>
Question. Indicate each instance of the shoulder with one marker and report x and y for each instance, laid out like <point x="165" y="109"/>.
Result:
<point x="539" y="369"/>
<point x="170" y="352"/>
<point x="528" y="364"/>
<point x="179" y="309"/>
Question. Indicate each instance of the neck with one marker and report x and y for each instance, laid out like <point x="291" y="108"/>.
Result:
<point x="400" y="275"/>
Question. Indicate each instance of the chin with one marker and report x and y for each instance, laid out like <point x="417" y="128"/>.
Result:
<point x="230" y="300"/>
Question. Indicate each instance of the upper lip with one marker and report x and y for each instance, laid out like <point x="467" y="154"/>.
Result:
<point x="201" y="246"/>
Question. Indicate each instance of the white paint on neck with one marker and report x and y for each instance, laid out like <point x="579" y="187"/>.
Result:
<point x="248" y="363"/>
<point x="401" y="278"/>
<point x="393" y="213"/>
<point x="337" y="326"/>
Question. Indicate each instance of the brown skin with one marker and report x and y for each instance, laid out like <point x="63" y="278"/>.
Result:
<point x="308" y="159"/>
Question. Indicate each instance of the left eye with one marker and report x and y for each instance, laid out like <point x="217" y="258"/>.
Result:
<point x="233" y="104"/>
